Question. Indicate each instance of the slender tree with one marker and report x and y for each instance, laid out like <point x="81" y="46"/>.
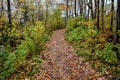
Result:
<point x="80" y="4"/>
<point x="95" y="12"/>
<point x="116" y="37"/>
<point x="75" y="8"/>
<point x="112" y="14"/>
<point x="1" y="8"/>
<point x="84" y="3"/>
<point x="98" y="14"/>
<point x="9" y="13"/>
<point x="102" y="14"/>
<point x="91" y="8"/>
<point x="67" y="4"/>
<point x="46" y="13"/>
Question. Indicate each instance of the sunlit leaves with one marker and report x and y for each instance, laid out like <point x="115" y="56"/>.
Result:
<point x="63" y="7"/>
<point x="21" y="1"/>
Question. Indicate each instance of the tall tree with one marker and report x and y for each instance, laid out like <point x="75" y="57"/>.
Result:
<point x="102" y="14"/>
<point x="116" y="37"/>
<point x="1" y="12"/>
<point x="75" y="7"/>
<point x="9" y="13"/>
<point x="80" y="4"/>
<point x="46" y="12"/>
<point x="98" y="12"/>
<point x="95" y="12"/>
<point x="91" y="8"/>
<point x="1" y="8"/>
<point x="112" y="14"/>
<point x="67" y="4"/>
<point x="84" y="3"/>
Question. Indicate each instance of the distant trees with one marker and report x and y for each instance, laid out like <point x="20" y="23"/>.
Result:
<point x="32" y="10"/>
<point x="97" y="10"/>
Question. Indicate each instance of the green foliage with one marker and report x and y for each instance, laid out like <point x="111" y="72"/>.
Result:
<point x="92" y="44"/>
<point x="38" y="35"/>
<point x="55" y="21"/>
<point x="77" y="31"/>
<point x="107" y="54"/>
<point x="74" y="23"/>
<point x="34" y="39"/>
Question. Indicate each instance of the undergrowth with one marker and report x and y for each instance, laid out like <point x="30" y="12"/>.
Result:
<point x="94" y="46"/>
<point x="32" y="43"/>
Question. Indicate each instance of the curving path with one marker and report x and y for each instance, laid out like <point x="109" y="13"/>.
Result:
<point x="60" y="62"/>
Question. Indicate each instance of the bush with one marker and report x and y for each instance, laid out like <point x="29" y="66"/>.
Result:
<point x="107" y="54"/>
<point x="80" y="33"/>
<point x="93" y="45"/>
<point x="39" y="36"/>
<point x="55" y="21"/>
<point x="34" y="39"/>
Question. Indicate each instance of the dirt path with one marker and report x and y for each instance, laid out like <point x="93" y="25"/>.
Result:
<point x="60" y="62"/>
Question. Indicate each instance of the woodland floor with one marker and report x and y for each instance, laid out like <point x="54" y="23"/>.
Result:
<point x="60" y="62"/>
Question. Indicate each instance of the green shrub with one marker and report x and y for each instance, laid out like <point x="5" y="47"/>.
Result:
<point x="55" y="21"/>
<point x="38" y="34"/>
<point x="80" y="33"/>
<point x="107" y="54"/>
<point x="34" y="39"/>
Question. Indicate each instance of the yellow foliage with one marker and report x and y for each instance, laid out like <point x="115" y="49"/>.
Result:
<point x="22" y="10"/>
<point x="90" y="24"/>
<point x="32" y="6"/>
<point x="102" y="39"/>
<point x="90" y="41"/>
<point x="21" y="1"/>
<point x="38" y="31"/>
<point x="62" y="7"/>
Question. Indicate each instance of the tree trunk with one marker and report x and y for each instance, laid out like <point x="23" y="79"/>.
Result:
<point x="102" y="15"/>
<point x="106" y="6"/>
<point x="112" y="14"/>
<point x="95" y="13"/>
<point x="1" y="21"/>
<point x="75" y="8"/>
<point x="80" y="3"/>
<point x="91" y="8"/>
<point x="1" y="9"/>
<point x="84" y="2"/>
<point x="98" y="14"/>
<point x="67" y="8"/>
<point x="46" y="14"/>
<point x="9" y="13"/>
<point x="116" y="37"/>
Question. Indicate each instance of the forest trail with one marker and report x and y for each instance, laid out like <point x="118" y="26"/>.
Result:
<point x="60" y="62"/>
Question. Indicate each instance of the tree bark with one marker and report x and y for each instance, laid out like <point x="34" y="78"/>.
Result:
<point x="84" y="2"/>
<point x="112" y="14"/>
<point x="9" y="13"/>
<point x="91" y="8"/>
<point x="102" y="15"/>
<point x="116" y="37"/>
<point x="75" y="8"/>
<point x="67" y="4"/>
<point x="80" y="3"/>
<point x="95" y="12"/>
<point x="46" y="14"/>
<point x="98" y="14"/>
